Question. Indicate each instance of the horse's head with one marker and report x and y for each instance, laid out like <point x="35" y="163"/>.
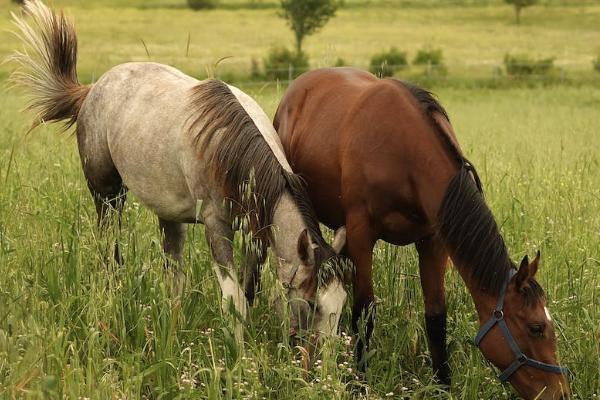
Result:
<point x="526" y="354"/>
<point x="300" y="277"/>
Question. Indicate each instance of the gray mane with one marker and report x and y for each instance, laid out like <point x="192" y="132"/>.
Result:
<point x="242" y="161"/>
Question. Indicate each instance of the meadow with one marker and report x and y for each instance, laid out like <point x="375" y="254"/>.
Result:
<point x="73" y="325"/>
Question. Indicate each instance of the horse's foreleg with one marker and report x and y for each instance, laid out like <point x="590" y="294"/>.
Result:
<point x="219" y="236"/>
<point x="254" y="256"/>
<point x="432" y="266"/>
<point x="360" y="241"/>
<point x="173" y="237"/>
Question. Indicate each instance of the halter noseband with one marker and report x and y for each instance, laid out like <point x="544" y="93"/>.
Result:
<point x="520" y="358"/>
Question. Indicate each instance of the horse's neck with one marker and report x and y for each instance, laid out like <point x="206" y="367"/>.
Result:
<point x="288" y="224"/>
<point x="481" y="298"/>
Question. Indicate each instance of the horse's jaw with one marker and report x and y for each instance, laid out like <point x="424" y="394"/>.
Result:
<point x="330" y="301"/>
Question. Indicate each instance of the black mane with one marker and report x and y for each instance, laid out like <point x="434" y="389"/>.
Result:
<point x="465" y="223"/>
<point x="471" y="235"/>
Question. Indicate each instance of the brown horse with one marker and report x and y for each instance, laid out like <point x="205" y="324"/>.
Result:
<point x="380" y="157"/>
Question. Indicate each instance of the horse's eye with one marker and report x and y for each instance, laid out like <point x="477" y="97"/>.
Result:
<point x="536" y="330"/>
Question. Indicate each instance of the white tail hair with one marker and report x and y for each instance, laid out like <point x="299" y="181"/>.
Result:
<point x="48" y="64"/>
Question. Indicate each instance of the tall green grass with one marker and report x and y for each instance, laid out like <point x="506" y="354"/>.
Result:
<point x="74" y="325"/>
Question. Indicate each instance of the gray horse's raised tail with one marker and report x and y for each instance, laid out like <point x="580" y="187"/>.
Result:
<point x="48" y="64"/>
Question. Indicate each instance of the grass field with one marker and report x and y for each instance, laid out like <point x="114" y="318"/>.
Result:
<point x="74" y="326"/>
<point x="468" y="35"/>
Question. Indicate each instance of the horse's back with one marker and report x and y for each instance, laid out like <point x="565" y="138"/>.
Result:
<point x="362" y="143"/>
<point x="307" y="121"/>
<point x="133" y="120"/>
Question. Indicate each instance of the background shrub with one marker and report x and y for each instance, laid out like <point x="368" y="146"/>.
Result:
<point x="429" y="56"/>
<point x="281" y="61"/>
<point x="202" y="4"/>
<point x="523" y="65"/>
<point x="433" y="59"/>
<point x="596" y="63"/>
<point x="387" y="62"/>
<point x="340" y="62"/>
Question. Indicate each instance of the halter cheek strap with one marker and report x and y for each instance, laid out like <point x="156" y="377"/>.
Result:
<point x="520" y="358"/>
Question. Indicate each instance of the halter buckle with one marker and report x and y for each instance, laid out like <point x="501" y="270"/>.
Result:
<point x="498" y="314"/>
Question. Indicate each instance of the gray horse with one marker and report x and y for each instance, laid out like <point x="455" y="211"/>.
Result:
<point x="192" y="152"/>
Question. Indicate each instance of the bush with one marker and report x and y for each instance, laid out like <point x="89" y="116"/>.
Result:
<point x="523" y="65"/>
<point x="429" y="56"/>
<point x="340" y="62"/>
<point x="283" y="64"/>
<point x="202" y="4"/>
<point x="433" y="59"/>
<point x="387" y="62"/>
<point x="596" y="63"/>
<point x="255" y="69"/>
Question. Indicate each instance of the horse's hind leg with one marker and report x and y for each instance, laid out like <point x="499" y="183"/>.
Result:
<point x="109" y="194"/>
<point x="103" y="179"/>
<point x="432" y="266"/>
<point x="173" y="236"/>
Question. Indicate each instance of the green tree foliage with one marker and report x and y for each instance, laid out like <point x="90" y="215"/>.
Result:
<point x="306" y="17"/>
<point x="520" y="5"/>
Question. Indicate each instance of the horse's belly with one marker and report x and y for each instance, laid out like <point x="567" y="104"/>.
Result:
<point x="150" y="168"/>
<point x="168" y="202"/>
<point x="399" y="230"/>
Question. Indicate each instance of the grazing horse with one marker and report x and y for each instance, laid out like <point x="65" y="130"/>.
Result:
<point x="192" y="152"/>
<point x="380" y="157"/>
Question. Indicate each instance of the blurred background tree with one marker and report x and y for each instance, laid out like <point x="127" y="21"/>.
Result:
<point x="306" y="17"/>
<point x="520" y="5"/>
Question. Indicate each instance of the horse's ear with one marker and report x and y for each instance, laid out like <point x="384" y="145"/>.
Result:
<point x="523" y="274"/>
<point x="535" y="265"/>
<point x="339" y="241"/>
<point x="306" y="251"/>
<point x="527" y="270"/>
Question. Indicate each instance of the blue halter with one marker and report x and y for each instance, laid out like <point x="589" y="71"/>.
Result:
<point x="520" y="358"/>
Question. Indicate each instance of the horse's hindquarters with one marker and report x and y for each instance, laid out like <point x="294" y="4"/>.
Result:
<point x="132" y="123"/>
